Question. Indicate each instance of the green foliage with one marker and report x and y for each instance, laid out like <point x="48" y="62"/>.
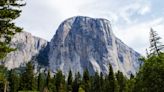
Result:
<point x="60" y="82"/>
<point x="96" y="85"/>
<point x="50" y="82"/>
<point x="148" y="79"/>
<point x="69" y="82"/>
<point x="76" y="82"/>
<point x="27" y="79"/>
<point x="13" y="81"/>
<point x="111" y="83"/>
<point x="3" y="78"/>
<point x="121" y="80"/>
<point x="151" y="75"/>
<point x="9" y="11"/>
<point x="102" y="83"/>
<point x="86" y="84"/>
<point x="41" y="81"/>
<point x="130" y="83"/>
<point x="81" y="90"/>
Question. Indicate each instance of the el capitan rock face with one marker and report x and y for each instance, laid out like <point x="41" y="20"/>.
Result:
<point x="86" y="43"/>
<point x="80" y="43"/>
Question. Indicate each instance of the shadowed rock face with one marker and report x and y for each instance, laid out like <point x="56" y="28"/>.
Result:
<point x="27" y="46"/>
<point x="86" y="43"/>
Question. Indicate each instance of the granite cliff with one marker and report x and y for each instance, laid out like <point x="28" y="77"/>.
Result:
<point x="28" y="46"/>
<point x="79" y="43"/>
<point x="86" y="43"/>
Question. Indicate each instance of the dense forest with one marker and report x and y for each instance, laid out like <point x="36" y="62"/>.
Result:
<point x="149" y="78"/>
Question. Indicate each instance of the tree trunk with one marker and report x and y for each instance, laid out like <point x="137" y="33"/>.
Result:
<point x="5" y="86"/>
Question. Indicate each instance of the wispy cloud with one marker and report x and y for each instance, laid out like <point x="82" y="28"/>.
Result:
<point x="137" y="35"/>
<point x="144" y="10"/>
<point x="131" y="19"/>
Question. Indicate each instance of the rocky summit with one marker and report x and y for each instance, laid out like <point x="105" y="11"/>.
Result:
<point x="79" y="43"/>
<point x="86" y="43"/>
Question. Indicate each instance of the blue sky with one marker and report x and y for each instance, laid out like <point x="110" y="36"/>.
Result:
<point x="131" y="19"/>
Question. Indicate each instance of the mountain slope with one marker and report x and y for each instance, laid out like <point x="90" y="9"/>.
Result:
<point x="27" y="46"/>
<point x="87" y="43"/>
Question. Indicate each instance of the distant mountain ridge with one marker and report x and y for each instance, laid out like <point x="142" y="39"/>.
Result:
<point x="28" y="46"/>
<point x="79" y="43"/>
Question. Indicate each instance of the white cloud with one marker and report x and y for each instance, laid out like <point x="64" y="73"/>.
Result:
<point x="137" y="35"/>
<point x="42" y="17"/>
<point x="144" y="10"/>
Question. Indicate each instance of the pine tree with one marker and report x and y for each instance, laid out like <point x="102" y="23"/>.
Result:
<point x="96" y="86"/>
<point x="152" y="73"/>
<point x="27" y="78"/>
<point x="3" y="79"/>
<point x="60" y="82"/>
<point x="155" y="44"/>
<point x="121" y="81"/>
<point x="111" y="81"/>
<point x="13" y="81"/>
<point x="130" y="85"/>
<point x="41" y="82"/>
<point x="76" y="82"/>
<point x="69" y="82"/>
<point x="50" y="82"/>
<point x="86" y="85"/>
<point x="53" y="84"/>
<point x="9" y="11"/>
<point x="102" y="83"/>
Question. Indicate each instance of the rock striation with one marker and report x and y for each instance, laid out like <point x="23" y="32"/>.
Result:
<point x="86" y="43"/>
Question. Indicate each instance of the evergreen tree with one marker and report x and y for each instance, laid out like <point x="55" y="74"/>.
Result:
<point x="152" y="73"/>
<point x="155" y="44"/>
<point x="121" y="81"/>
<point x="3" y="79"/>
<point x="60" y="82"/>
<point x="102" y="83"/>
<point x="130" y="85"/>
<point x="41" y="81"/>
<point x="9" y="11"/>
<point x="76" y="83"/>
<point x="27" y="78"/>
<point x="111" y="84"/>
<point x="50" y="82"/>
<point x="13" y="81"/>
<point x="150" y="76"/>
<point x="69" y="82"/>
<point x="96" y="86"/>
<point x="86" y="85"/>
<point x="53" y="84"/>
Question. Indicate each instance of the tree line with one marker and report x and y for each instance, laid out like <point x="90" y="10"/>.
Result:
<point x="44" y="82"/>
<point x="150" y="78"/>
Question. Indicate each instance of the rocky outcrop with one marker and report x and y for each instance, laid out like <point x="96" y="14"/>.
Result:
<point x="86" y="43"/>
<point x="27" y="46"/>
